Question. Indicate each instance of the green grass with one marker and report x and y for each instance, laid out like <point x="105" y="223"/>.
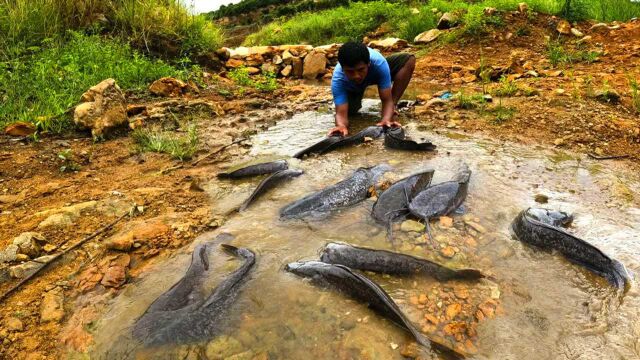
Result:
<point x="151" y="25"/>
<point x="502" y="114"/>
<point x="634" y="85"/>
<point x="180" y="147"/>
<point x="355" y="20"/>
<point x="506" y="88"/>
<point x="40" y="88"/>
<point x="469" y="102"/>
<point x="558" y="54"/>
<point x="263" y="82"/>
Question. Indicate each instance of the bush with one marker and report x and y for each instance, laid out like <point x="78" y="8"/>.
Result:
<point x="41" y="87"/>
<point x="335" y="25"/>
<point x="151" y="24"/>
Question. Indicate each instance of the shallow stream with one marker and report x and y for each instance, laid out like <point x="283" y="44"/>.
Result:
<point x="535" y="305"/>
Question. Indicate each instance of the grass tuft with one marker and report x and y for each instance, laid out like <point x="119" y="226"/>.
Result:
<point x="263" y="82"/>
<point x="179" y="147"/>
<point x="635" y="94"/>
<point x="506" y="88"/>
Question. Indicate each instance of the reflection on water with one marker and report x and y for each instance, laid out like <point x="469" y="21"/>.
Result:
<point x="533" y="306"/>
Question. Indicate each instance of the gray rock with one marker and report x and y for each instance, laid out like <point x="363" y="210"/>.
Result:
<point x="29" y="243"/>
<point x="447" y="21"/>
<point x="427" y="36"/>
<point x="9" y="254"/>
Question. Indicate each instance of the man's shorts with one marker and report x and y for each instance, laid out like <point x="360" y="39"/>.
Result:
<point x="396" y="62"/>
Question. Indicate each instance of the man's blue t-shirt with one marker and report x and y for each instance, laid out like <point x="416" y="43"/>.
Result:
<point x="379" y="74"/>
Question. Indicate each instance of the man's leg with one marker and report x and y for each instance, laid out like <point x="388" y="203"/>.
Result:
<point x="401" y="66"/>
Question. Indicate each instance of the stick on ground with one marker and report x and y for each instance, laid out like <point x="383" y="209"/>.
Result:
<point x="62" y="253"/>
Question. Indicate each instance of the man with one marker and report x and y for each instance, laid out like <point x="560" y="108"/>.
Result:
<point x="358" y="67"/>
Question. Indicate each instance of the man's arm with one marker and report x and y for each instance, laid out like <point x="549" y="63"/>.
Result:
<point x="342" y="120"/>
<point x="388" y="109"/>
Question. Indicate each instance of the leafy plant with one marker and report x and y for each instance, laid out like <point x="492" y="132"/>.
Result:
<point x="68" y="162"/>
<point x="179" y="147"/>
<point x="469" y="102"/>
<point x="502" y="114"/>
<point x="506" y="88"/>
<point x="266" y="82"/>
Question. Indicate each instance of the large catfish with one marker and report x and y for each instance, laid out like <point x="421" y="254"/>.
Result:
<point x="396" y="139"/>
<point x="392" y="205"/>
<point x="256" y="169"/>
<point x="270" y="182"/>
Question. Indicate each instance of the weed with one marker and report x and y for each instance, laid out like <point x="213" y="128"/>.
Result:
<point x="588" y="84"/>
<point x="558" y="54"/>
<point x="523" y="31"/>
<point x="635" y="94"/>
<point x="68" y="162"/>
<point x="502" y="114"/>
<point x="179" y="147"/>
<point x="506" y="88"/>
<point x="266" y="82"/>
<point x="469" y="102"/>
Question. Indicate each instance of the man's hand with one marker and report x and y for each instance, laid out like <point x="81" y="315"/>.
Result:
<point x="389" y="124"/>
<point x="339" y="131"/>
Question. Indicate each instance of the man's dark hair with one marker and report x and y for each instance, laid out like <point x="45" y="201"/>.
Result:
<point x="352" y="53"/>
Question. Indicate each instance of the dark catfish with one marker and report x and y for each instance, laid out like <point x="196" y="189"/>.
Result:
<point x="343" y="194"/>
<point x="392" y="205"/>
<point x="359" y="287"/>
<point x="396" y="139"/>
<point x="318" y="148"/>
<point x="270" y="182"/>
<point x="536" y="230"/>
<point x="392" y="263"/>
<point x="183" y="314"/>
<point x="254" y="170"/>
<point x="443" y="198"/>
<point x="372" y="132"/>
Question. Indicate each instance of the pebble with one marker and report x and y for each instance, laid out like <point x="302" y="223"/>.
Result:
<point x="412" y="225"/>
<point x="14" y="324"/>
<point x="541" y="198"/>
<point x="432" y="319"/>
<point x="453" y="310"/>
<point x="52" y="306"/>
<point x="448" y="252"/>
<point x="461" y="293"/>
<point x="446" y="221"/>
<point x="477" y="227"/>
<point x="423" y="299"/>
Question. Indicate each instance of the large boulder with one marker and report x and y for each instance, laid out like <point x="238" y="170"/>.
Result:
<point x="103" y="107"/>
<point x="427" y="36"/>
<point x="314" y="65"/>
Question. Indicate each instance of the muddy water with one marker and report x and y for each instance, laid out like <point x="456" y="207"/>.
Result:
<point x="535" y="305"/>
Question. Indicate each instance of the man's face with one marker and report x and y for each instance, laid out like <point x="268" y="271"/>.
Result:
<point x="356" y="73"/>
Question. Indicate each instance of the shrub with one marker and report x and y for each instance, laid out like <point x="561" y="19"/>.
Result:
<point x="41" y="87"/>
<point x="506" y="88"/>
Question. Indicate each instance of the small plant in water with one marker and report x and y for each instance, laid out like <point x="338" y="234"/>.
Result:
<point x="68" y="163"/>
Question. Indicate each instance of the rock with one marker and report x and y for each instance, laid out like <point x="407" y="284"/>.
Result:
<point x="277" y="60"/>
<point x="523" y="8"/>
<point x="314" y="65"/>
<point x="475" y="226"/>
<point x="269" y="68"/>
<point x="286" y="71"/>
<point x="541" y="198"/>
<point x="52" y="306"/>
<point x="453" y="310"/>
<point x="222" y="347"/>
<point x="446" y="221"/>
<point x="599" y="27"/>
<point x="487" y="309"/>
<point x="9" y="253"/>
<point x="252" y="70"/>
<point x="168" y="86"/>
<point x="297" y="67"/>
<point x="20" y="128"/>
<point x="389" y="44"/>
<point x="120" y="242"/>
<point x="287" y="57"/>
<point x="469" y="78"/>
<point x="431" y="318"/>
<point x="564" y="27"/>
<point x="57" y="220"/>
<point x="607" y="96"/>
<point x="585" y="39"/>
<point x="427" y="36"/>
<point x="576" y="32"/>
<point x="447" y="21"/>
<point x="411" y="225"/>
<point x="448" y="252"/>
<point x="25" y="269"/>
<point x="411" y="350"/>
<point x="114" y="277"/>
<point x="103" y="107"/>
<point x="490" y="11"/>
<point x="234" y="63"/>
<point x="436" y="102"/>
<point x="461" y="292"/>
<point x="48" y="248"/>
<point x="29" y="243"/>
<point x="22" y="257"/>
<point x="13" y="324"/>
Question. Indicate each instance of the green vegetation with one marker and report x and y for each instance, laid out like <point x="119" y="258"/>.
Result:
<point x="635" y="94"/>
<point x="154" y="26"/>
<point x="179" y="147"/>
<point x="41" y="87"/>
<point x="506" y="88"/>
<point x="266" y="82"/>
<point x="356" y="19"/>
<point x="469" y="102"/>
<point x="558" y="54"/>
<point x="68" y="162"/>
<point x="502" y="114"/>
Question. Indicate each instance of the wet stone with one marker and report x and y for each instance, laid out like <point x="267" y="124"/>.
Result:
<point x="222" y="347"/>
<point x="412" y="225"/>
<point x="446" y="221"/>
<point x="453" y="310"/>
<point x="115" y="276"/>
<point x="448" y="252"/>
<point x="541" y="198"/>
